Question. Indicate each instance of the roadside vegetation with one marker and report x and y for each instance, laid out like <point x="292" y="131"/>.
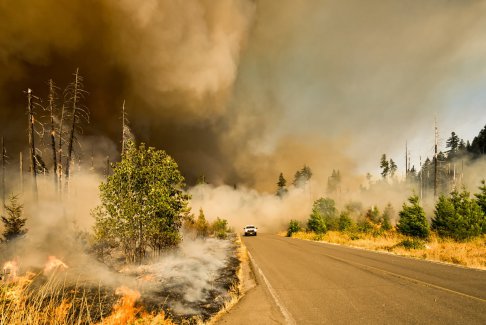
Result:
<point x="454" y="229"/>
<point x="456" y="233"/>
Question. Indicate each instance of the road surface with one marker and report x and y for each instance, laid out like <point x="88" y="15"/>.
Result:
<point x="304" y="282"/>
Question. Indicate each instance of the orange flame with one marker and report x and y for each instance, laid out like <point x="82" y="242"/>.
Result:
<point x="54" y="264"/>
<point x="124" y="312"/>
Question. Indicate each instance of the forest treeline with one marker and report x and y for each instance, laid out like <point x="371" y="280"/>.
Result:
<point x="457" y="214"/>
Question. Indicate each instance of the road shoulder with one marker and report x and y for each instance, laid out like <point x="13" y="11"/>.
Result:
<point x="256" y="306"/>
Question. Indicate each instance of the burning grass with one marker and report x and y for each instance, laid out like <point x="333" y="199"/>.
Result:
<point x="471" y="253"/>
<point x="184" y="287"/>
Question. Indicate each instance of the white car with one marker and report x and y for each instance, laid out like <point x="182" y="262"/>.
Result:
<point x="250" y="230"/>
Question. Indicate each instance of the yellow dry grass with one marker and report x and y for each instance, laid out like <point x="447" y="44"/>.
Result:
<point x="21" y="304"/>
<point x="471" y="253"/>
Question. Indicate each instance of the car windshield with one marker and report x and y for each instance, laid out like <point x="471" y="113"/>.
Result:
<point x="250" y="226"/>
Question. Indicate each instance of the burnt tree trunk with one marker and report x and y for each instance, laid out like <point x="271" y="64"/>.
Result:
<point x="74" y="112"/>
<point x="33" y="169"/>
<point x="3" y="175"/>
<point x="53" y="132"/>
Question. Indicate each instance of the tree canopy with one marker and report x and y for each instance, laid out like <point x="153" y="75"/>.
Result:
<point x="142" y="203"/>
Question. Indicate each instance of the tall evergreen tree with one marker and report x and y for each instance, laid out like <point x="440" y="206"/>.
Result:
<point x="393" y="168"/>
<point x="385" y="166"/>
<point x="481" y="196"/>
<point x="281" y="186"/>
<point x="302" y="176"/>
<point x="478" y="145"/>
<point x="334" y="181"/>
<point x="453" y="143"/>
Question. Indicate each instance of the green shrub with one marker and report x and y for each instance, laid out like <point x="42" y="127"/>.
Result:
<point x="412" y="243"/>
<point x="373" y="214"/>
<point x="220" y="229"/>
<point x="481" y="201"/>
<point x="412" y="219"/>
<point x="364" y="225"/>
<point x="458" y="216"/>
<point x="294" y="226"/>
<point x="316" y="224"/>
<point x="325" y="209"/>
<point x="345" y="222"/>
<point x="386" y="216"/>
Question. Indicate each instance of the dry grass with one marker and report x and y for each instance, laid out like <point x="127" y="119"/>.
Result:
<point x="471" y="253"/>
<point x="29" y="299"/>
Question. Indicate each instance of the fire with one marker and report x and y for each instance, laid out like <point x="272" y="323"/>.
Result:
<point x="124" y="312"/>
<point x="54" y="264"/>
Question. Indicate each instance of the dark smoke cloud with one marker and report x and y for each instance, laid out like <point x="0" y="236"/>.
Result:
<point x="240" y="90"/>
<point x="174" y="62"/>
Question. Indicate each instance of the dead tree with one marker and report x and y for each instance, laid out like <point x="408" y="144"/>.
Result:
<point x="33" y="169"/>
<point x="21" y="172"/>
<point x="127" y="134"/>
<point x="59" y="154"/>
<point x="51" y="108"/>
<point x="74" y="97"/>
<point x="4" y="157"/>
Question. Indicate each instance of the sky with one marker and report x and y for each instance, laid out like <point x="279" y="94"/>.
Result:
<point x="241" y="90"/>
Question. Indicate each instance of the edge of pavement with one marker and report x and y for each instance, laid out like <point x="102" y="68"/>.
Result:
<point x="256" y="303"/>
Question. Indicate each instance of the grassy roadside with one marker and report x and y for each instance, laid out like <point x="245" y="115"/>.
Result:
<point x="471" y="253"/>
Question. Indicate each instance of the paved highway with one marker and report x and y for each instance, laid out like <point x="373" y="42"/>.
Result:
<point x="304" y="282"/>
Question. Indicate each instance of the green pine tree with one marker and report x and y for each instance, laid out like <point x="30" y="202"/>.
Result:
<point x="385" y="166"/>
<point x="281" y="186"/>
<point x="13" y="221"/>
<point x="345" y="221"/>
<point x="481" y="196"/>
<point x="412" y="220"/>
<point x="458" y="216"/>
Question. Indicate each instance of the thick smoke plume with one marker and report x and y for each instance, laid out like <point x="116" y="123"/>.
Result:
<point x="229" y="88"/>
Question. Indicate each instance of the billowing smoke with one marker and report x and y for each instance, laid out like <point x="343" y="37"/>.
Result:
<point x="241" y="90"/>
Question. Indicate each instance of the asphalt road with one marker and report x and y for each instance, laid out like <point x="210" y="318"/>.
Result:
<point x="315" y="283"/>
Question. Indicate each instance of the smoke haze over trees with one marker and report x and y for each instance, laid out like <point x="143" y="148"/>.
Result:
<point x="231" y="88"/>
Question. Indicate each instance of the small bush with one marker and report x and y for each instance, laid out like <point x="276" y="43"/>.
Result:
<point x="386" y="216"/>
<point x="373" y="214"/>
<point x="294" y="226"/>
<point x="364" y="225"/>
<point x="220" y="229"/>
<point x="324" y="211"/>
<point x="413" y="243"/>
<point x="316" y="224"/>
<point x="345" y="222"/>
<point x="412" y="219"/>
<point x="202" y="225"/>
